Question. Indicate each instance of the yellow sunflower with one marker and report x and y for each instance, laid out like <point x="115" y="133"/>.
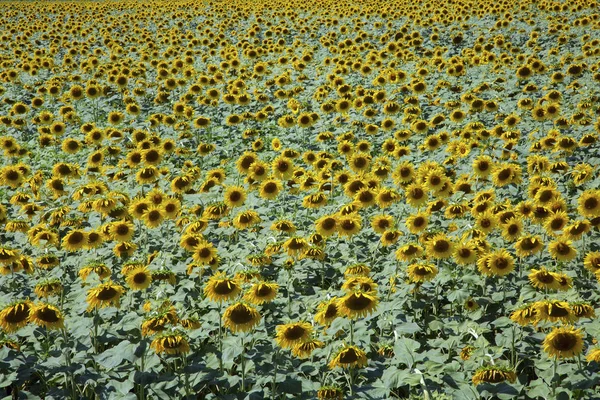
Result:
<point x="221" y="288"/>
<point x="15" y="316"/>
<point x="46" y="315"/>
<point x="171" y="343"/>
<point x="241" y="317"/>
<point x="290" y="335"/>
<point x="564" y="342"/>
<point x="348" y="357"/>
<point x="357" y="304"/>
<point x="104" y="295"/>
<point x="261" y="292"/>
<point x="139" y="278"/>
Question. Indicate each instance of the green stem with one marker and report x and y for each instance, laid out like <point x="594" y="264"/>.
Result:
<point x="220" y="340"/>
<point x="243" y="365"/>
<point x="274" y="383"/>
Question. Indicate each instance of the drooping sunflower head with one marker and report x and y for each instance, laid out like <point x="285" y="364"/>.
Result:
<point x="104" y="295"/>
<point x="293" y="334"/>
<point x="15" y="316"/>
<point x="220" y="288"/>
<point x="241" y="317"/>
<point x="357" y="304"/>
<point x="262" y="292"/>
<point x="349" y="356"/>
<point x="493" y="374"/>
<point x="171" y="343"/>
<point x="46" y="315"/>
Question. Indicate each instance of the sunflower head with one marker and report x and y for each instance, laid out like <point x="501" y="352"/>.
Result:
<point x="564" y="342"/>
<point x="241" y="317"/>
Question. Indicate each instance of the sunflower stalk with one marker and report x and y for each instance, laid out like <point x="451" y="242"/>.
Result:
<point x="243" y="364"/>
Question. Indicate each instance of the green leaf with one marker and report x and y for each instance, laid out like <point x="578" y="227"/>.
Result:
<point x="115" y="356"/>
<point x="405" y="351"/>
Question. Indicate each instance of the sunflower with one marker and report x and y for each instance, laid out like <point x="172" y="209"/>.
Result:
<point x="261" y="292"/>
<point x="349" y="225"/>
<point x="48" y="288"/>
<point x="440" y="246"/>
<point x="104" y="295"/>
<point x="483" y="166"/>
<point x="591" y="261"/>
<point x="362" y="283"/>
<point x="593" y="355"/>
<point x="421" y="272"/>
<point x="349" y="357"/>
<point x="588" y="203"/>
<point x="282" y="167"/>
<point x="330" y="393"/>
<point x="304" y="350"/>
<point x="124" y="249"/>
<point x="327" y="311"/>
<point x="171" y="343"/>
<point x="562" y="249"/>
<point x="46" y="315"/>
<point x="409" y="252"/>
<point x="525" y="315"/>
<point x="290" y="335"/>
<point x="221" y="288"/>
<point x="416" y="194"/>
<point x="153" y="216"/>
<point x="528" y="245"/>
<point x="204" y="252"/>
<point x="564" y="342"/>
<point x="15" y="316"/>
<point x="416" y="223"/>
<point x="554" y="311"/>
<point x="543" y="279"/>
<point x="465" y="253"/>
<point x="270" y="188"/>
<point x="577" y="229"/>
<point x="493" y="374"/>
<point x="139" y="278"/>
<point x="241" y="317"/>
<point x="295" y="246"/>
<point x="234" y="196"/>
<point x="357" y="304"/>
<point x="74" y="240"/>
<point x="496" y="263"/>
<point x="99" y="269"/>
<point x="326" y="225"/>
<point x="583" y="310"/>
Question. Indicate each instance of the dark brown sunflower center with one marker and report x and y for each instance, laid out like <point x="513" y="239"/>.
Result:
<point x="295" y="332"/>
<point x="358" y="302"/>
<point x="140" y="278"/>
<point x="270" y="187"/>
<point x="563" y="249"/>
<point x="224" y="287"/>
<point x="264" y="291"/>
<point x="18" y="314"/>
<point x="545" y="277"/>
<point x="75" y="238"/>
<point x="331" y="311"/>
<point x="441" y="246"/>
<point x="107" y="294"/>
<point x="558" y="311"/>
<point x="564" y="341"/>
<point x="591" y="203"/>
<point x="417" y="193"/>
<point x="235" y="196"/>
<point x="47" y="315"/>
<point x="348" y="356"/>
<point x="240" y="315"/>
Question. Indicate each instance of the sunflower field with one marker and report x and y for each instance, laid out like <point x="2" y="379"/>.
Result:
<point x="265" y="199"/>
